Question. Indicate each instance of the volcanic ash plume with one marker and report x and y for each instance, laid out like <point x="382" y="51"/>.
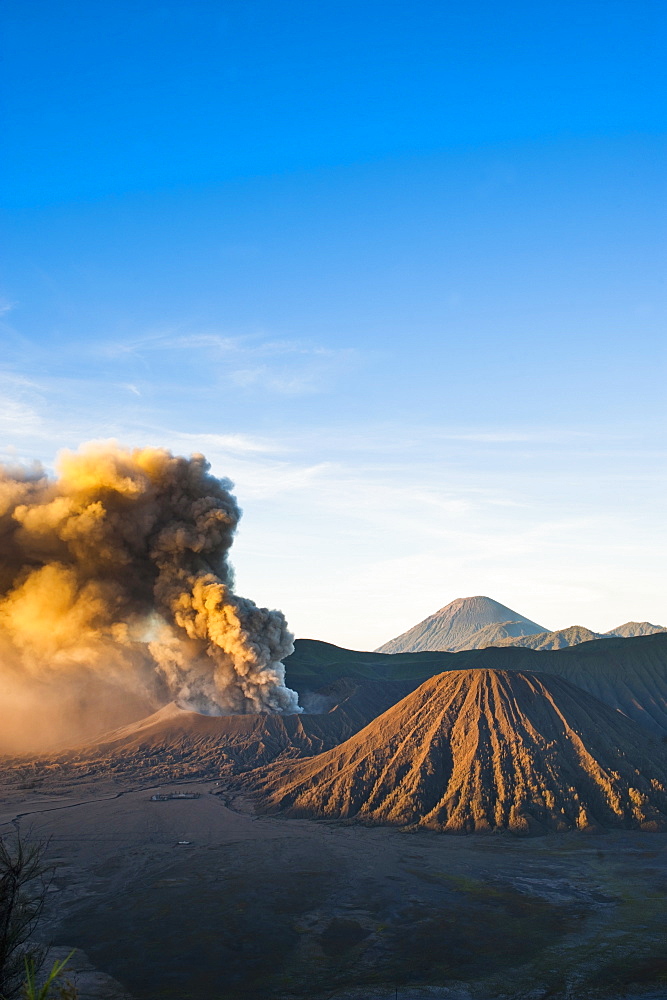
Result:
<point x="116" y="573"/>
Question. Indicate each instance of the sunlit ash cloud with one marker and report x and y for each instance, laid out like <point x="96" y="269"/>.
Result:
<point x="117" y="572"/>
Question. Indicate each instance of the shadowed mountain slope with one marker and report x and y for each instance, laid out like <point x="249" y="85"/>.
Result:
<point x="627" y="674"/>
<point x="480" y="750"/>
<point x="314" y="663"/>
<point x="454" y="626"/>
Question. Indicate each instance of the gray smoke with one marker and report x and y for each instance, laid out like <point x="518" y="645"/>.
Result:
<point x="118" y="571"/>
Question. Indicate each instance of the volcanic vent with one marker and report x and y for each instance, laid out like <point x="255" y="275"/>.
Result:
<point x="478" y="750"/>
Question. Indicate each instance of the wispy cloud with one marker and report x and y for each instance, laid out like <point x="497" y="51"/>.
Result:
<point x="306" y="380"/>
<point x="509" y="436"/>
<point x="20" y="403"/>
<point x="237" y="443"/>
<point x="249" y="363"/>
<point x="389" y="438"/>
<point x="164" y="340"/>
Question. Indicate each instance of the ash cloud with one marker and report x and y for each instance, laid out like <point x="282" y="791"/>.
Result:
<point x="115" y="577"/>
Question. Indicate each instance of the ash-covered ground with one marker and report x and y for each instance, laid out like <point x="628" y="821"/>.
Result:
<point x="259" y="906"/>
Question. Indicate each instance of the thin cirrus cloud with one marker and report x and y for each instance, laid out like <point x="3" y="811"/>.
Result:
<point x="223" y="443"/>
<point x="248" y="363"/>
<point x="511" y="436"/>
<point x="287" y="382"/>
<point x="417" y="437"/>
<point x="55" y="396"/>
<point x="20" y="404"/>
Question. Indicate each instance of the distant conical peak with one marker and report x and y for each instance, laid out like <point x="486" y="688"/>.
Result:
<point x="452" y="627"/>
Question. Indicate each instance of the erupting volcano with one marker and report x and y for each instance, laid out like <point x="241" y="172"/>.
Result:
<point x="115" y="578"/>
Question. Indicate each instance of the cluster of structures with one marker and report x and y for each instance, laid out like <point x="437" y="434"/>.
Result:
<point x="166" y="796"/>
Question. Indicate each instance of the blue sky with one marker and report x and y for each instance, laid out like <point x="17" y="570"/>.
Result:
<point x="398" y="270"/>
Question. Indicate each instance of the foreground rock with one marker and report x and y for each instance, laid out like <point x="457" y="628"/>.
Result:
<point x="481" y="750"/>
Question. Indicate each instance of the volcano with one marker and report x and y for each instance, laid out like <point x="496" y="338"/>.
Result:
<point x="233" y="742"/>
<point x="175" y="743"/>
<point x="480" y="750"/>
<point x="455" y="626"/>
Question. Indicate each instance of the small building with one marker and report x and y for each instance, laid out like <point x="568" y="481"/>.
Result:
<point x="167" y="796"/>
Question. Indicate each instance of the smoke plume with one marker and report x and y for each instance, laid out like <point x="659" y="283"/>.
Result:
<point x="116" y="576"/>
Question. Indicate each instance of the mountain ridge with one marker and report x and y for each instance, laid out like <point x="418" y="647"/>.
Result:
<point x="559" y="638"/>
<point x="478" y="622"/>
<point x="630" y="630"/>
<point x="629" y="674"/>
